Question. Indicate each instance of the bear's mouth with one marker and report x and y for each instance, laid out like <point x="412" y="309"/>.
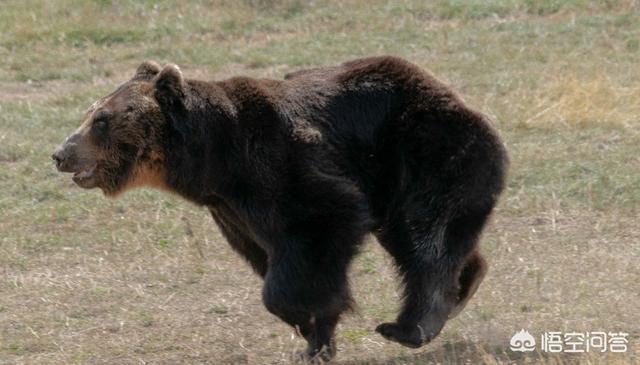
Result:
<point x="85" y="178"/>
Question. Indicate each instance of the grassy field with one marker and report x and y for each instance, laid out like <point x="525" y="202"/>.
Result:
<point x="148" y="279"/>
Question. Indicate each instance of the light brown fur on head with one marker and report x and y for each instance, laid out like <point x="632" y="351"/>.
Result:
<point x="118" y="145"/>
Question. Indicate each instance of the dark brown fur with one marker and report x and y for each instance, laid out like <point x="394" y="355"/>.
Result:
<point x="296" y="172"/>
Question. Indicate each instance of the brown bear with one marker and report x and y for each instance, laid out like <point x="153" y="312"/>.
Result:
<point x="297" y="171"/>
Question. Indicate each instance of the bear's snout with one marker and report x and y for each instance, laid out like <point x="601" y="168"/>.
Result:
<point x="60" y="158"/>
<point x="76" y="157"/>
<point x="64" y="155"/>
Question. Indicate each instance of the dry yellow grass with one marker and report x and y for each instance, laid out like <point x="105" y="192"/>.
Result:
<point x="582" y="100"/>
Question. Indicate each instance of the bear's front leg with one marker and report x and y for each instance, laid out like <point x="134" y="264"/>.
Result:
<point x="321" y="346"/>
<point x="308" y="297"/>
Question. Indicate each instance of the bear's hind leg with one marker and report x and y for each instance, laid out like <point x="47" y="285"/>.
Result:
<point x="473" y="271"/>
<point x="431" y="254"/>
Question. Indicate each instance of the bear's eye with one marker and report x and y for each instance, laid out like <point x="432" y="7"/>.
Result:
<point x="101" y="120"/>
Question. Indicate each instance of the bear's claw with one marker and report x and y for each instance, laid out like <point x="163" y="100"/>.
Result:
<point x="305" y="357"/>
<point x="409" y="337"/>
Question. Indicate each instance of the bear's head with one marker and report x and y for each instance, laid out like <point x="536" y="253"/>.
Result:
<point x="119" y="144"/>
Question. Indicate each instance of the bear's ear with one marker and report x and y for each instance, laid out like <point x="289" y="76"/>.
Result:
<point x="169" y="85"/>
<point x="146" y="71"/>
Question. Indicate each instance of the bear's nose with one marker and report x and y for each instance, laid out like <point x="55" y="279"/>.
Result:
<point x="58" y="157"/>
